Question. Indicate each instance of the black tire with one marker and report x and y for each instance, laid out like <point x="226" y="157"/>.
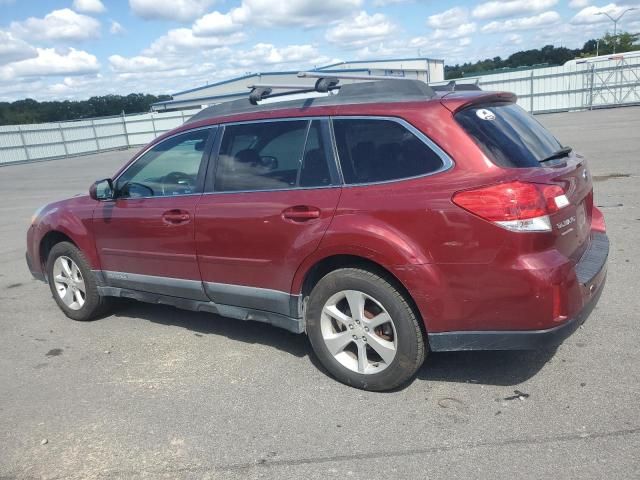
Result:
<point x="410" y="350"/>
<point x="95" y="305"/>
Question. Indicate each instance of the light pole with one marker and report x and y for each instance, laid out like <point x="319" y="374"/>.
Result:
<point x="615" y="23"/>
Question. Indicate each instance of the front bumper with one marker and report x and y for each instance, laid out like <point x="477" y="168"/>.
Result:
<point x="591" y="273"/>
<point x="36" y="274"/>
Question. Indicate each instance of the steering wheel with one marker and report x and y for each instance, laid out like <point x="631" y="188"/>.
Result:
<point x="175" y="178"/>
<point x="125" y="190"/>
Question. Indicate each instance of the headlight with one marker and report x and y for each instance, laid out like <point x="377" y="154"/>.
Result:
<point x="36" y="214"/>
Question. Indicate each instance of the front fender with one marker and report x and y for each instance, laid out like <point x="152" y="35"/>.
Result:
<point x="72" y="218"/>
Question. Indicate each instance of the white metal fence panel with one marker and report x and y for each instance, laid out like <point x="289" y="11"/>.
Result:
<point x="20" y="143"/>
<point x="577" y="85"/>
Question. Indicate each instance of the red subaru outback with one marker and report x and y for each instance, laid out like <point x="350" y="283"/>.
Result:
<point x="384" y="221"/>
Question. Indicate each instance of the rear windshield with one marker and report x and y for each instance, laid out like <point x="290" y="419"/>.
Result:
<point x="508" y="135"/>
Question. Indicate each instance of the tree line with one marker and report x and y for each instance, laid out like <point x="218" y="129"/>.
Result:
<point x="32" y="111"/>
<point x="547" y="55"/>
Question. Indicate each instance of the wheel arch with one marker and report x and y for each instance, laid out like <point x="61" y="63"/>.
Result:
<point x="48" y="241"/>
<point x="334" y="262"/>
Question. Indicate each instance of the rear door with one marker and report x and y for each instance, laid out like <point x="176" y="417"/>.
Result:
<point x="511" y="138"/>
<point x="269" y="200"/>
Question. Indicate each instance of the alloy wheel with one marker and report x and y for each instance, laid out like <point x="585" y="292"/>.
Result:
<point x="358" y="331"/>
<point x="69" y="283"/>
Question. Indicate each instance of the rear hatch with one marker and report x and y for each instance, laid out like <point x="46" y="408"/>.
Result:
<point x="516" y="141"/>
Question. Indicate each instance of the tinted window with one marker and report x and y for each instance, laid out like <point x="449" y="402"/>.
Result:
<point x="508" y="135"/>
<point x="379" y="150"/>
<point x="169" y="168"/>
<point x="271" y="156"/>
<point x="315" y="169"/>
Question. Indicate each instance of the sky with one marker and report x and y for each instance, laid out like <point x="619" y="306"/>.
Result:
<point x="74" y="49"/>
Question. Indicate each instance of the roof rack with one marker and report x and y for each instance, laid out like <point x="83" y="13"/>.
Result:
<point x="326" y="82"/>
<point x="260" y="91"/>
<point x="381" y="89"/>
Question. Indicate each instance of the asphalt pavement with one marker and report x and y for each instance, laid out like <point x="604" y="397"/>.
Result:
<point x="158" y="393"/>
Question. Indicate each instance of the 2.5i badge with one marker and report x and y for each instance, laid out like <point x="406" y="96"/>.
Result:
<point x="485" y="114"/>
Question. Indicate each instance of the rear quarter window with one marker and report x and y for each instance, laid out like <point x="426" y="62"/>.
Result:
<point x="508" y="135"/>
<point x="378" y="150"/>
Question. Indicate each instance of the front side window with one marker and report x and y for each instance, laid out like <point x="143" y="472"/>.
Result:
<point x="377" y="150"/>
<point x="271" y="155"/>
<point x="169" y="168"/>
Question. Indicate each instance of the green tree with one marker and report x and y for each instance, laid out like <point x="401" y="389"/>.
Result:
<point x="31" y="111"/>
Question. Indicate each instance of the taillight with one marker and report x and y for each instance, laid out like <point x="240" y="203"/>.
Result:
<point x="517" y="206"/>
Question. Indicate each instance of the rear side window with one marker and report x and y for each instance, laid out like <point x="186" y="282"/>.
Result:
<point x="377" y="150"/>
<point x="508" y="135"/>
<point x="272" y="155"/>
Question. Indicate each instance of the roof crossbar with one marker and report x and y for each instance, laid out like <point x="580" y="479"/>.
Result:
<point x="260" y="91"/>
<point x="327" y="82"/>
<point x="346" y="76"/>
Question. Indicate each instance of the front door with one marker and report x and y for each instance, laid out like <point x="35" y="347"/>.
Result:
<point x="145" y="237"/>
<point x="271" y="200"/>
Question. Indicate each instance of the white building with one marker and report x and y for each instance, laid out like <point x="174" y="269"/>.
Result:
<point x="425" y="69"/>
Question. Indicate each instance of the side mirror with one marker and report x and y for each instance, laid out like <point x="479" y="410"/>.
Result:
<point x="102" y="189"/>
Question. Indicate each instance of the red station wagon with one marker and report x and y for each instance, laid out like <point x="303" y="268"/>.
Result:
<point x="384" y="221"/>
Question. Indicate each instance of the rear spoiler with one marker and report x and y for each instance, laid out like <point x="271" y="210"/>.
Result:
<point x="454" y="102"/>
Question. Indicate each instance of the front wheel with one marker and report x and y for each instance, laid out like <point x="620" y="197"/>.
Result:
<point x="73" y="284"/>
<point x="363" y="330"/>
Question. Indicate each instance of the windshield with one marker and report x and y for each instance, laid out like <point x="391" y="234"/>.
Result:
<point x="508" y="135"/>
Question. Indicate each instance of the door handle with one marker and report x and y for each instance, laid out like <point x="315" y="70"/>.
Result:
<point x="301" y="213"/>
<point x="176" y="217"/>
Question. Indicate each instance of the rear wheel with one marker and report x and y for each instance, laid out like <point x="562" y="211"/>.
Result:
<point x="73" y="284"/>
<point x="363" y="330"/>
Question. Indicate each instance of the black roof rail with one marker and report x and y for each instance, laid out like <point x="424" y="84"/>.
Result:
<point x="381" y="90"/>
<point x="453" y="86"/>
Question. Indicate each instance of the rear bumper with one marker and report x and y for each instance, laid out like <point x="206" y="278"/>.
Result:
<point x="591" y="272"/>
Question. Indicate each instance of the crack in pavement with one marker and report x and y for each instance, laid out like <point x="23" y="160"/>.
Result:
<point x="267" y="463"/>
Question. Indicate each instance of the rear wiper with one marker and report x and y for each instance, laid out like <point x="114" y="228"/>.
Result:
<point x="563" y="152"/>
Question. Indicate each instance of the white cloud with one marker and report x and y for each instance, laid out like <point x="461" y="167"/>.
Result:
<point x="514" y="39"/>
<point x="460" y="31"/>
<point x="181" y="10"/>
<point x="449" y="18"/>
<point x="501" y="9"/>
<point x="138" y="63"/>
<point x="215" y="23"/>
<point x="62" y="24"/>
<point x="13" y="49"/>
<point x="266" y="54"/>
<point x="384" y="3"/>
<point x="89" y="6"/>
<point x="301" y="13"/>
<point x="589" y="14"/>
<point x="523" y="23"/>
<point x="579" y="3"/>
<point x="51" y="62"/>
<point x="116" y="28"/>
<point x="180" y="40"/>
<point x="360" y="30"/>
